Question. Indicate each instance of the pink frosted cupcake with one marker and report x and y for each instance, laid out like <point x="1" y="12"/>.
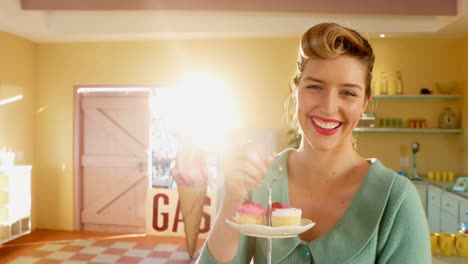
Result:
<point x="250" y="213"/>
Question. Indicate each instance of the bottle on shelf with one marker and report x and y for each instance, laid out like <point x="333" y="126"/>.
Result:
<point x="383" y="83"/>
<point x="399" y="83"/>
<point x="373" y="88"/>
<point x="404" y="164"/>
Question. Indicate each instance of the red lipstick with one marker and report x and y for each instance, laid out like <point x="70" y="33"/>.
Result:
<point x="323" y="131"/>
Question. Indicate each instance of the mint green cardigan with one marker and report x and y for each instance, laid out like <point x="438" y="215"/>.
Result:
<point x="385" y="223"/>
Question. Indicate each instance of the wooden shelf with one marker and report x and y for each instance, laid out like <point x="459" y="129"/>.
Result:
<point x="417" y="97"/>
<point x="409" y="130"/>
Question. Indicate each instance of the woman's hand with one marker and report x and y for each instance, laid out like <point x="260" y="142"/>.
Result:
<point x="244" y="170"/>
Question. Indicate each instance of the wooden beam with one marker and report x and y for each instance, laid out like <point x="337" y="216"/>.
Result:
<point x="381" y="7"/>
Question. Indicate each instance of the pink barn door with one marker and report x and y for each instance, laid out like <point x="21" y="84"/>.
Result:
<point x="115" y="133"/>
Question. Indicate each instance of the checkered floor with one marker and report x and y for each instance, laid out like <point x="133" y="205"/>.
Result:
<point x="106" y="251"/>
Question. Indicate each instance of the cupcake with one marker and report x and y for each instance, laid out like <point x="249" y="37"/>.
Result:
<point x="285" y="215"/>
<point x="250" y="213"/>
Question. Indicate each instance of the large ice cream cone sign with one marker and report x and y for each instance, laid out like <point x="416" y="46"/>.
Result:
<point x="191" y="175"/>
<point x="191" y="204"/>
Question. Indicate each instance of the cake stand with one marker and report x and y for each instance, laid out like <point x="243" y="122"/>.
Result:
<point x="270" y="232"/>
<point x="267" y="231"/>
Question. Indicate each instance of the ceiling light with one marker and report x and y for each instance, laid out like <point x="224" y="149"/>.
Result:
<point x="382" y="35"/>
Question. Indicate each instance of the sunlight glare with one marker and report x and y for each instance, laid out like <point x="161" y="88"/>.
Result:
<point x="11" y="99"/>
<point x="205" y="109"/>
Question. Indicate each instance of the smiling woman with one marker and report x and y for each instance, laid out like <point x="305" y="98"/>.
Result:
<point x="364" y="212"/>
<point x="331" y="97"/>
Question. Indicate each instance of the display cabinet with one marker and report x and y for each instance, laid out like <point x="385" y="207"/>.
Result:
<point x="446" y="209"/>
<point x="15" y="202"/>
<point x="449" y="213"/>
<point x="463" y="215"/>
<point x="433" y="208"/>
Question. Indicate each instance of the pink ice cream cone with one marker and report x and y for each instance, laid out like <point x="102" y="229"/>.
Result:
<point x="191" y="176"/>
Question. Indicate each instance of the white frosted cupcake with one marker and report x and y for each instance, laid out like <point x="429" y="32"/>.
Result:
<point x="286" y="216"/>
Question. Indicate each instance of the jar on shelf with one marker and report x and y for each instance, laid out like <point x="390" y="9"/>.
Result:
<point x="399" y="83"/>
<point x="383" y="83"/>
<point x="448" y="118"/>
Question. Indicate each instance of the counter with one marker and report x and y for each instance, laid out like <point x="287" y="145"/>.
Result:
<point x="449" y="260"/>
<point x="447" y="186"/>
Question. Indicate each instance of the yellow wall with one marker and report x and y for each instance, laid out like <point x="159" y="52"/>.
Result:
<point x="258" y="70"/>
<point x="18" y="76"/>
<point x="422" y="61"/>
<point x="464" y="58"/>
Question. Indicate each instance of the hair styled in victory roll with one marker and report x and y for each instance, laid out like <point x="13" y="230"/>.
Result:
<point x="329" y="40"/>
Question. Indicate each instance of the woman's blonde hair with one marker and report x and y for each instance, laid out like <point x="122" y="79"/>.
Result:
<point x="328" y="41"/>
